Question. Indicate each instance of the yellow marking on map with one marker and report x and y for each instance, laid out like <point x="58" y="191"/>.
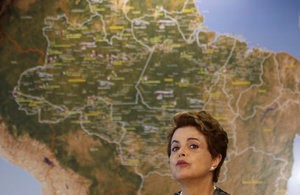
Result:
<point x="98" y="9"/>
<point x="185" y="55"/>
<point x="92" y="114"/>
<point x="116" y="27"/>
<point x="89" y="59"/>
<point x="130" y="128"/>
<point x="73" y="36"/>
<point x="168" y="80"/>
<point x="73" y="74"/>
<point x="127" y="35"/>
<point x="71" y="112"/>
<point x="262" y="91"/>
<point x="62" y="45"/>
<point x="117" y="62"/>
<point x="63" y="114"/>
<point x="133" y="162"/>
<point x="35" y="103"/>
<point x="239" y="83"/>
<point x="155" y="40"/>
<point x="215" y="94"/>
<point x="252" y="182"/>
<point x="79" y="80"/>
<point x="56" y="64"/>
<point x="167" y="106"/>
<point x="79" y="28"/>
<point x="68" y="59"/>
<point x="77" y="10"/>
<point x="117" y="118"/>
<point x="291" y="66"/>
<point x="176" y="45"/>
<point x="209" y="51"/>
<point x="51" y="86"/>
<point x="136" y="12"/>
<point x="94" y="149"/>
<point x="151" y="81"/>
<point x="22" y="100"/>
<point x="99" y="39"/>
<point x="54" y="52"/>
<point x="127" y="8"/>
<point x="118" y="78"/>
<point x="183" y="84"/>
<point x="186" y="11"/>
<point x="156" y="14"/>
<point x="81" y="121"/>
<point x="107" y="100"/>
<point x="267" y="129"/>
<point x="202" y="71"/>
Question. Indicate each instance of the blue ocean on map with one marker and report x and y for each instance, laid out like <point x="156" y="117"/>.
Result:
<point x="15" y="180"/>
<point x="294" y="181"/>
<point x="273" y="25"/>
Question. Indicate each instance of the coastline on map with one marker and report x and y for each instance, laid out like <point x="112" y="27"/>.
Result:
<point x="12" y="175"/>
<point x="294" y="180"/>
<point x="38" y="160"/>
<point x="277" y="31"/>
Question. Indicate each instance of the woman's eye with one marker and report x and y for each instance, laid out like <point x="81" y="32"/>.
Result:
<point x="175" y="148"/>
<point x="194" y="146"/>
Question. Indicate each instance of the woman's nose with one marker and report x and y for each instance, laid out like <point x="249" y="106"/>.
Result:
<point x="181" y="152"/>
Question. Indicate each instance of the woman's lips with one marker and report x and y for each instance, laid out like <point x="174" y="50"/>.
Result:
<point x="181" y="163"/>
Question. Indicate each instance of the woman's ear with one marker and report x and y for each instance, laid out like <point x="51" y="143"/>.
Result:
<point x="215" y="162"/>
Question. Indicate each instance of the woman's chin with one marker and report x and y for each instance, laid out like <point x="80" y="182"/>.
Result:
<point x="181" y="176"/>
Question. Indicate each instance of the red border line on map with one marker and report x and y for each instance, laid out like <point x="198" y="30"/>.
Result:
<point x="22" y="51"/>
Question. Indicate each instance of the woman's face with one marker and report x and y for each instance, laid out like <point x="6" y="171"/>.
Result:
<point x="190" y="157"/>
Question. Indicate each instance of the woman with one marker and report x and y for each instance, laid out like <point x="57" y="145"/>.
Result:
<point x="197" y="149"/>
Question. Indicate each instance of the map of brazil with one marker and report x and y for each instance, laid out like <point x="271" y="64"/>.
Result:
<point x="88" y="88"/>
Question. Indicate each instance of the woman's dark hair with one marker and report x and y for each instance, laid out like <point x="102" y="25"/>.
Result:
<point x="215" y="135"/>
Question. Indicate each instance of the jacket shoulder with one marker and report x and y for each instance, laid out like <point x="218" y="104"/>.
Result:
<point x="219" y="191"/>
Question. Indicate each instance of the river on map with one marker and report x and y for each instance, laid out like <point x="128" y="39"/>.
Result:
<point x="269" y="24"/>
<point x="294" y="181"/>
<point x="15" y="180"/>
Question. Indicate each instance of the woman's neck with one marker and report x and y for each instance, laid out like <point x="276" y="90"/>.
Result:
<point x="197" y="187"/>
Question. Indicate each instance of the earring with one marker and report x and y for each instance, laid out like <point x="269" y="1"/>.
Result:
<point x="212" y="168"/>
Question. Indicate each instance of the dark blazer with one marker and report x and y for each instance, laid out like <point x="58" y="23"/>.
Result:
<point x="217" y="191"/>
